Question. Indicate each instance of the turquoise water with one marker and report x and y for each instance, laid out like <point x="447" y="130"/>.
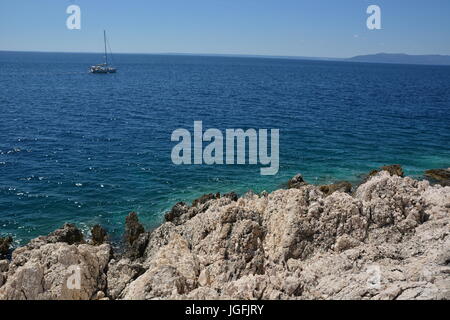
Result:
<point x="90" y="148"/>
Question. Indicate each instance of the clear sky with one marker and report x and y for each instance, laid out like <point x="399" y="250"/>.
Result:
<point x="319" y="28"/>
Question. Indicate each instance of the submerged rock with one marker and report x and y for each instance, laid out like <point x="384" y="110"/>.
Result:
<point x="441" y="176"/>
<point x="343" y="186"/>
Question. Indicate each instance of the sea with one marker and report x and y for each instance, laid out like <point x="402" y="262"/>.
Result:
<point x="90" y="148"/>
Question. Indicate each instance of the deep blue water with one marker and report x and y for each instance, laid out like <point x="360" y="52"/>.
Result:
<point x="90" y="148"/>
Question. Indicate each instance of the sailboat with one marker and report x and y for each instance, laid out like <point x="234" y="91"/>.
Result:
<point x="103" y="67"/>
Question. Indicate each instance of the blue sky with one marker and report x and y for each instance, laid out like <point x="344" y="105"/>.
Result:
<point x="320" y="28"/>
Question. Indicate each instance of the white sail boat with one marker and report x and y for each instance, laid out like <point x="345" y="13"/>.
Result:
<point x="103" y="67"/>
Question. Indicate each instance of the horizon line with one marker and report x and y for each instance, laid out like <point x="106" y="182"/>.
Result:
<point x="179" y="53"/>
<point x="230" y="54"/>
<point x="247" y="55"/>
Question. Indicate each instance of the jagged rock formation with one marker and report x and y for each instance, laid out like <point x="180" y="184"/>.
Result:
<point x="296" y="182"/>
<point x="393" y="169"/>
<point x="299" y="244"/>
<point x="99" y="235"/>
<point x="389" y="240"/>
<point x="133" y="228"/>
<point x="51" y="267"/>
<point x="4" y="245"/>
<point x="343" y="186"/>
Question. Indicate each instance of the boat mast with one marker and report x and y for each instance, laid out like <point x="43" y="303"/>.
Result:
<point x="106" y="55"/>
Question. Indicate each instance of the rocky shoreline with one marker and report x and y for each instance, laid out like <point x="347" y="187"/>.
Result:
<point x="387" y="239"/>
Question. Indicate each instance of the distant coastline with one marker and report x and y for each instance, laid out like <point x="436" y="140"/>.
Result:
<point x="401" y="58"/>
<point x="383" y="58"/>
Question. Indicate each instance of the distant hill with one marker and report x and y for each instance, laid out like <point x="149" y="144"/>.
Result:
<point x="402" y="58"/>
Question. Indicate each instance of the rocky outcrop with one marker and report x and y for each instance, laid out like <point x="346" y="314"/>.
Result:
<point x="69" y="234"/>
<point x="99" y="235"/>
<point x="57" y="266"/>
<point x="441" y="176"/>
<point x="133" y="228"/>
<point x="120" y="274"/>
<point x="343" y="186"/>
<point x="177" y="211"/>
<point x="5" y="243"/>
<point x="205" y="198"/>
<point x="233" y="196"/>
<point x="296" y="182"/>
<point x="390" y="239"/>
<point x="181" y="212"/>
<point x="4" y="266"/>
<point x="393" y="169"/>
